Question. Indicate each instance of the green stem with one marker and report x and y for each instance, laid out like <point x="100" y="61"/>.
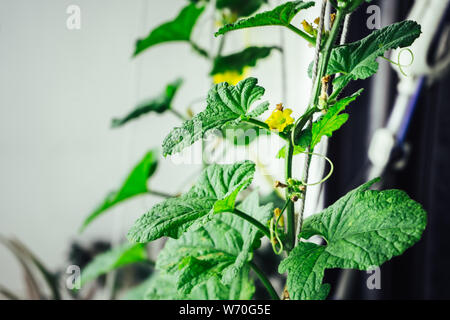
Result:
<point x="262" y="277"/>
<point x="300" y="124"/>
<point x="253" y="221"/>
<point x="199" y="50"/>
<point x="266" y="127"/>
<point x="178" y="114"/>
<point x="302" y="34"/>
<point x="334" y="95"/>
<point x="329" y="44"/>
<point x="290" y="212"/>
<point x="221" y="46"/>
<point x="160" y="194"/>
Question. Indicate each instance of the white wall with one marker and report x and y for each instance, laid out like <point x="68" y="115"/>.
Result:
<point x="59" y="91"/>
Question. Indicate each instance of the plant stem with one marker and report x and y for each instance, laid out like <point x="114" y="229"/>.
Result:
<point x="340" y="15"/>
<point x="160" y="194"/>
<point x="253" y="221"/>
<point x="265" y="126"/>
<point x="178" y="114"/>
<point x="334" y="95"/>
<point x="221" y="46"/>
<point x="262" y="277"/>
<point x="8" y="294"/>
<point x="290" y="209"/>
<point x="199" y="50"/>
<point x="302" y="34"/>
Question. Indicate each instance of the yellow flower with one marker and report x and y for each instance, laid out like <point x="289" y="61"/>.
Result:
<point x="277" y="213"/>
<point x="280" y="119"/>
<point x="232" y="77"/>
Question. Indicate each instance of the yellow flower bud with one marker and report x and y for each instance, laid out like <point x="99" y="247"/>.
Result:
<point x="307" y="27"/>
<point x="332" y="17"/>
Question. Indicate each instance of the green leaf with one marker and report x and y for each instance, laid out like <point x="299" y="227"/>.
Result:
<point x="220" y="248"/>
<point x="172" y="217"/>
<point x="159" y="104"/>
<point x="358" y="60"/>
<point x="332" y="120"/>
<point x="121" y="256"/>
<point x="163" y="286"/>
<point x="134" y="185"/>
<point x="179" y="29"/>
<point x="324" y="126"/>
<point x="280" y="16"/>
<point x="242" y="134"/>
<point x="239" y="7"/>
<point x="362" y="230"/>
<point x="139" y="292"/>
<point x="225" y="103"/>
<point x="238" y="61"/>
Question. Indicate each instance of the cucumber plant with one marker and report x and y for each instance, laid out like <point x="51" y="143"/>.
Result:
<point x="213" y="230"/>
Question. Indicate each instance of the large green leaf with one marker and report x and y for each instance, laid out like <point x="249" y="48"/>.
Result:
<point x="179" y="29"/>
<point x="225" y="103"/>
<point x="280" y="16"/>
<point x="238" y="61"/>
<point x="220" y="248"/>
<point x="358" y="60"/>
<point x="134" y="185"/>
<point x="215" y="191"/>
<point x="362" y="230"/>
<point x="332" y="120"/>
<point x="159" y="104"/>
<point x="163" y="286"/>
<point x="121" y="256"/>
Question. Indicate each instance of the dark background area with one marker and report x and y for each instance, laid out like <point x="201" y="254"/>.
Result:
<point x="422" y="272"/>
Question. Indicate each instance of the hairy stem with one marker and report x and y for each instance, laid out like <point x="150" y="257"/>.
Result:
<point x="160" y="194"/>
<point x="290" y="210"/>
<point x="253" y="221"/>
<point x="178" y="114"/>
<point x="326" y="54"/>
<point x="262" y="277"/>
